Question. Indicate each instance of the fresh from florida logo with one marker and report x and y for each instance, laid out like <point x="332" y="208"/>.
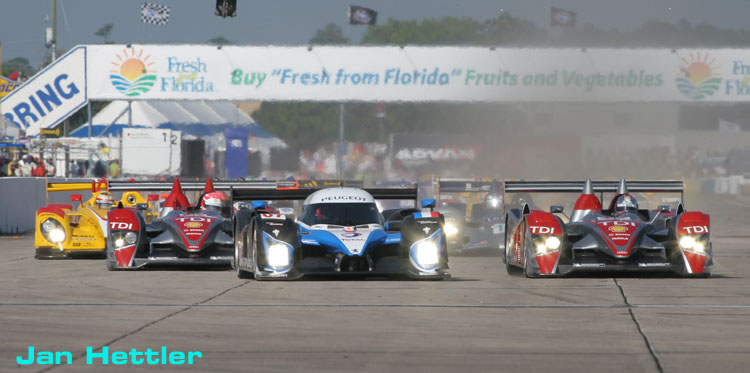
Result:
<point x="698" y="77"/>
<point x="133" y="76"/>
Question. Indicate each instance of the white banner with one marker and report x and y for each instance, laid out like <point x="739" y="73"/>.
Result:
<point x="454" y="74"/>
<point x="147" y="151"/>
<point x="51" y="95"/>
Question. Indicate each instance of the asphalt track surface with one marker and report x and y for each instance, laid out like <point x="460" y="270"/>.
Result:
<point x="481" y="320"/>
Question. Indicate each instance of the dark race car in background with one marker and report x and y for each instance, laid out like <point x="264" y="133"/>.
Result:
<point x="475" y="222"/>
<point x="622" y="236"/>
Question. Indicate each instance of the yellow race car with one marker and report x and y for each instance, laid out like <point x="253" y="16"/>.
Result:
<point x="64" y="231"/>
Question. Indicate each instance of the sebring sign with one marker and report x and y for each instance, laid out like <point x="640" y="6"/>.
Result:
<point x="50" y="96"/>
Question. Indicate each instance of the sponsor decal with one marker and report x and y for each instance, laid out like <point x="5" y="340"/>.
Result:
<point x="452" y="153"/>
<point x="268" y="215"/>
<point x="120" y="226"/>
<point x="541" y="230"/>
<point x="276" y="232"/>
<point x="618" y="229"/>
<point x="426" y="230"/>
<point x="186" y="76"/>
<point x="351" y="234"/>
<point x="132" y="74"/>
<point x="343" y="198"/>
<point x="7" y="86"/>
<point x="193" y="224"/>
<point x="696" y="229"/>
<point x="698" y="77"/>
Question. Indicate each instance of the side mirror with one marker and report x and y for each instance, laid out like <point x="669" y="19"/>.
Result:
<point x="428" y="203"/>
<point x="556" y="209"/>
<point x="76" y="197"/>
<point x="259" y="205"/>
<point x="153" y="197"/>
<point x="241" y="206"/>
<point x="665" y="208"/>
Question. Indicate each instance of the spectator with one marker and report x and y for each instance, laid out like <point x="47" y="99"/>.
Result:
<point x="114" y="169"/>
<point x="50" y="168"/>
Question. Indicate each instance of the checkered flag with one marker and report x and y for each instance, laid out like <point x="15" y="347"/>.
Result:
<point x="155" y="14"/>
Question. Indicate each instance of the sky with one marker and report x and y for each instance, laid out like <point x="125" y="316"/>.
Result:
<point x="293" y="22"/>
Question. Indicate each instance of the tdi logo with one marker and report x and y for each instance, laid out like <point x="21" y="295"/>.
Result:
<point x="697" y="229"/>
<point x="541" y="230"/>
<point x="120" y="225"/>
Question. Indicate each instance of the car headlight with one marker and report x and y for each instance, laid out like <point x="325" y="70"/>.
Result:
<point x="699" y="248"/>
<point x="552" y="242"/>
<point x="49" y="225"/>
<point x="57" y="235"/>
<point x="130" y="238"/>
<point x="494" y="202"/>
<point x="687" y="242"/>
<point x="427" y="254"/>
<point x="277" y="255"/>
<point x="549" y="245"/>
<point x="450" y="229"/>
<point x="119" y="243"/>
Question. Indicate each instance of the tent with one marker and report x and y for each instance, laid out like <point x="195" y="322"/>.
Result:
<point x="198" y="118"/>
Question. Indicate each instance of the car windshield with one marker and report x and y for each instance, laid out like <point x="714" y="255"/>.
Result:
<point x="346" y="214"/>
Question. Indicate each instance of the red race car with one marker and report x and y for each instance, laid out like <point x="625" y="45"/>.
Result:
<point x="622" y="236"/>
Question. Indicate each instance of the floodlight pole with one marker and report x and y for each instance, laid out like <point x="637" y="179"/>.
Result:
<point x="54" y="30"/>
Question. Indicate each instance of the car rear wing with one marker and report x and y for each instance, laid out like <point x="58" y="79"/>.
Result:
<point x="647" y="186"/>
<point x="275" y="194"/>
<point x="463" y="185"/>
<point x="156" y="186"/>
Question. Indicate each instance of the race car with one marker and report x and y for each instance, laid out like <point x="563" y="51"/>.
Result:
<point x="65" y="231"/>
<point x="339" y="231"/>
<point x="621" y="237"/>
<point x="474" y="225"/>
<point x="184" y="234"/>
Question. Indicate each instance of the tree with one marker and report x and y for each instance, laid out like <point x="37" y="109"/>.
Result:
<point x="330" y="34"/>
<point x="220" y="40"/>
<point x="509" y="30"/>
<point x="104" y="31"/>
<point x="445" y="31"/>
<point x="20" y="64"/>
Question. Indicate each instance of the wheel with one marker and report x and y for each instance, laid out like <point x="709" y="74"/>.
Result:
<point x="110" y="261"/>
<point x="254" y="248"/>
<point x="510" y="268"/>
<point x="236" y="262"/>
<point x="526" y="271"/>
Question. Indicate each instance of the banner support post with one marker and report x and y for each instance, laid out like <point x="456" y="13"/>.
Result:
<point x="339" y="150"/>
<point x="88" y="112"/>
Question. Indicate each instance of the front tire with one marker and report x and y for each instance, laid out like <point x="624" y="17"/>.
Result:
<point x="510" y="268"/>
<point x="241" y="274"/>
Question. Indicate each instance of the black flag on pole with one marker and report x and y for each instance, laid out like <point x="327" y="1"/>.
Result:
<point x="359" y="15"/>
<point x="561" y="17"/>
<point x="226" y="8"/>
<point x="155" y="14"/>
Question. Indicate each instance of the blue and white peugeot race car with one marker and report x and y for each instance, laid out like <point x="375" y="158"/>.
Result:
<point x="339" y="231"/>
